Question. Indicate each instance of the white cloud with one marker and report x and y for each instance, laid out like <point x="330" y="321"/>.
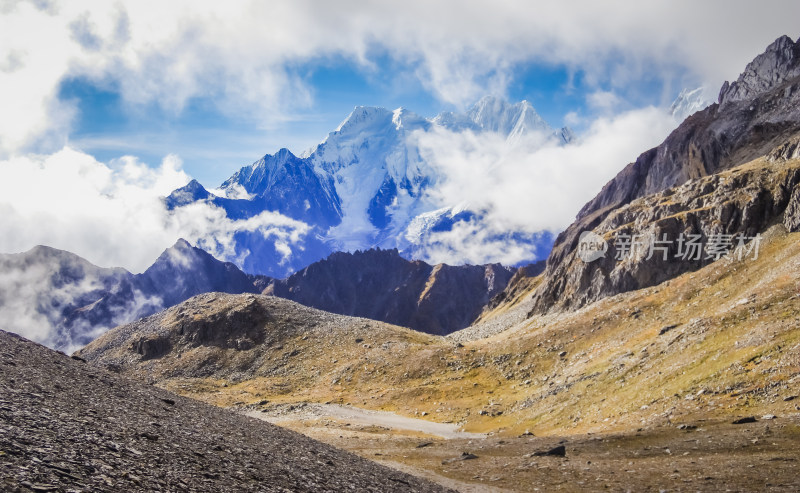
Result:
<point x="240" y="54"/>
<point x="603" y="101"/>
<point x="113" y="215"/>
<point x="526" y="186"/>
<point x="475" y="242"/>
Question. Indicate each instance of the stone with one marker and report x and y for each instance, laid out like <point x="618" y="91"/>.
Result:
<point x="559" y="451"/>
<point x="666" y="329"/>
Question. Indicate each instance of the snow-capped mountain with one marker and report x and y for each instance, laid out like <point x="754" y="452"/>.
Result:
<point x="688" y="103"/>
<point x="363" y="186"/>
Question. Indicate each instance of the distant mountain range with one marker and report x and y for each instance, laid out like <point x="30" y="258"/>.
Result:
<point x="63" y="301"/>
<point x="382" y="285"/>
<point x="366" y="185"/>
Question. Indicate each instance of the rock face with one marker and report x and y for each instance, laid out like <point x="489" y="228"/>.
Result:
<point x="779" y="63"/>
<point x="717" y="138"/>
<point x="723" y="209"/>
<point x="791" y="218"/>
<point x="381" y="285"/>
<point x="69" y="426"/>
<point x="667" y="190"/>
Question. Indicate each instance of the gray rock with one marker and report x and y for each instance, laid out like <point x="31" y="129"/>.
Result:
<point x="98" y="436"/>
<point x="791" y="217"/>
<point x="780" y="62"/>
<point x="559" y="451"/>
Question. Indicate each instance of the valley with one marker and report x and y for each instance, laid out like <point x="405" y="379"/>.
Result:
<point x="643" y="370"/>
<point x="657" y="348"/>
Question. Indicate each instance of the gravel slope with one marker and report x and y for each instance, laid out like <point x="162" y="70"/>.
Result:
<point x="68" y="426"/>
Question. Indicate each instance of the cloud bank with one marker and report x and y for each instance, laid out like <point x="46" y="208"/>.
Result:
<point x="114" y="215"/>
<point x="244" y="56"/>
<point x="528" y="185"/>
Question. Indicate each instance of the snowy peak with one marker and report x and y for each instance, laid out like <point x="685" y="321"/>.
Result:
<point x="192" y="192"/>
<point x="688" y="103"/>
<point x="362" y="186"/>
<point x="404" y="119"/>
<point x="363" y="118"/>
<point x="780" y="62"/>
<point x="261" y="175"/>
<point x="497" y="115"/>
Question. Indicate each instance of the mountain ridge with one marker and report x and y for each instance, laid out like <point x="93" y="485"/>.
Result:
<point x="719" y="139"/>
<point x="382" y="285"/>
<point x="363" y="186"/>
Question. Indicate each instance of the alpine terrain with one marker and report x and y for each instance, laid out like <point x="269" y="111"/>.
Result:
<point x="657" y="350"/>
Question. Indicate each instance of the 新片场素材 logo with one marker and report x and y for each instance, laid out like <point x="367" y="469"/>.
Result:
<point x="591" y="246"/>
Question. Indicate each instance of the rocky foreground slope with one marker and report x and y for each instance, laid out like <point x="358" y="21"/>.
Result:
<point x="69" y="426"/>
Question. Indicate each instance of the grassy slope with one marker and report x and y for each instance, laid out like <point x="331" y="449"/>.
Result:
<point x="735" y="350"/>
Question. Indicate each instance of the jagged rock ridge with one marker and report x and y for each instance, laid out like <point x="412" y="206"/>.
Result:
<point x="382" y="285"/>
<point x="757" y="116"/>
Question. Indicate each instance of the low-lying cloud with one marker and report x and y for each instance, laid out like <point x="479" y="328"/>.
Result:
<point x="528" y="185"/>
<point x="114" y="215"/>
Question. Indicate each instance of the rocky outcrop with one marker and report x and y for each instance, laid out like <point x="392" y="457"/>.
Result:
<point x="678" y="187"/>
<point x="681" y="229"/>
<point x="717" y="138"/>
<point x="779" y="63"/>
<point x="69" y="426"/>
<point x="382" y="285"/>
<point x="520" y="283"/>
<point x="791" y="217"/>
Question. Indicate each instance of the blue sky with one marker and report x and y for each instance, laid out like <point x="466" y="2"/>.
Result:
<point x="214" y="144"/>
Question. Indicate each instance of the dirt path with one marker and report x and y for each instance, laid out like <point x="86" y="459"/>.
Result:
<point x="364" y="417"/>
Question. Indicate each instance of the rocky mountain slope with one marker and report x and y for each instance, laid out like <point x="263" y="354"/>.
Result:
<point x="382" y="285"/>
<point x="64" y="301"/>
<point x="68" y="426"/>
<point x="366" y="185"/>
<point x="692" y="184"/>
<point x="244" y="337"/>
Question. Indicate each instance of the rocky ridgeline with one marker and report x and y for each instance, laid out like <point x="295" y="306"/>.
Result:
<point x="69" y="426"/>
<point x="240" y="337"/>
<point x="382" y="285"/>
<point x="659" y="237"/>
<point x="680" y="188"/>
